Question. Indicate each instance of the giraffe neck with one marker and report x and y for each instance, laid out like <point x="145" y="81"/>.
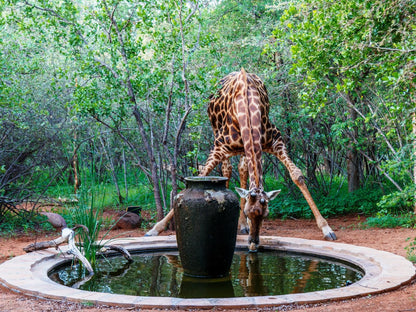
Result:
<point x="247" y="101"/>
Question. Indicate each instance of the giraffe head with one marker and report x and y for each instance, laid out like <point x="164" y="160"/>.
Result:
<point x="256" y="209"/>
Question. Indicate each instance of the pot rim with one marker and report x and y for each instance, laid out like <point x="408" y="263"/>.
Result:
<point x="206" y="178"/>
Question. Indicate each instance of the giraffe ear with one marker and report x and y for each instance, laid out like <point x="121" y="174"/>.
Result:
<point x="242" y="192"/>
<point x="272" y="194"/>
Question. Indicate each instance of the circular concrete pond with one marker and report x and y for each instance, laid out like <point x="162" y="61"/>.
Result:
<point x="384" y="271"/>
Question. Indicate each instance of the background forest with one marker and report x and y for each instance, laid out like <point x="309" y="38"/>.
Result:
<point x="105" y="101"/>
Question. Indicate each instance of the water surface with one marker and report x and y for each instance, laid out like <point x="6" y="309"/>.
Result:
<point x="252" y="274"/>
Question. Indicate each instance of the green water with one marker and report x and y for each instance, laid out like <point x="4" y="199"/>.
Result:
<point x="252" y="274"/>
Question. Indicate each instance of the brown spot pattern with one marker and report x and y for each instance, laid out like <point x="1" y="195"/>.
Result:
<point x="239" y="118"/>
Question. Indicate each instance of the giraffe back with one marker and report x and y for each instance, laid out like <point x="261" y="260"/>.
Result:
<point x="239" y="118"/>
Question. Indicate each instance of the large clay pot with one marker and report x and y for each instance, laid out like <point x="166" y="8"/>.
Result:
<point x="206" y="218"/>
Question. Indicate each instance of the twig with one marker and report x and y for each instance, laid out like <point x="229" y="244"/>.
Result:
<point x="67" y="235"/>
<point x="119" y="249"/>
<point x="391" y="49"/>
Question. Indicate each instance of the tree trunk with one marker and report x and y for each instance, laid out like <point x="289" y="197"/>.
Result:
<point x="413" y="99"/>
<point x="125" y="176"/>
<point x="75" y="166"/>
<point x="352" y="158"/>
<point x="112" y="170"/>
<point x="152" y="161"/>
<point x="137" y="115"/>
<point x="311" y="158"/>
<point x="414" y="155"/>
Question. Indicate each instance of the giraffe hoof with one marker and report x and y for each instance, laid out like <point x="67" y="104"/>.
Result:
<point x="152" y="232"/>
<point x="252" y="247"/>
<point x="329" y="234"/>
<point x="244" y="230"/>
<point x="331" y="237"/>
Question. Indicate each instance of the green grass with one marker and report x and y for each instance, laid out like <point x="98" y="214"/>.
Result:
<point x="92" y="198"/>
<point x="385" y="219"/>
<point x="26" y="223"/>
<point x="99" y="188"/>
<point x="140" y="192"/>
<point x="411" y="249"/>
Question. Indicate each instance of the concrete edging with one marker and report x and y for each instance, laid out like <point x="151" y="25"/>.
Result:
<point x="384" y="271"/>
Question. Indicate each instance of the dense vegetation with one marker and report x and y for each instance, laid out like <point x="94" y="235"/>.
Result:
<point x="115" y="92"/>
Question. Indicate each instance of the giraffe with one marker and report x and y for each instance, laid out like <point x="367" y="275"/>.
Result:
<point x="239" y="115"/>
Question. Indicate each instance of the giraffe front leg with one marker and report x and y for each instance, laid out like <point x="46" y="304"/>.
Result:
<point x="215" y="157"/>
<point x="161" y="225"/>
<point x="227" y="171"/>
<point x="296" y="175"/>
<point x="243" y="173"/>
<point x="320" y="221"/>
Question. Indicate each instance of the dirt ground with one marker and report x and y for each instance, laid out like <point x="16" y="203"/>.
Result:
<point x="348" y="230"/>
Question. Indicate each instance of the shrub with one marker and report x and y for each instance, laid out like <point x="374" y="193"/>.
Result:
<point x="338" y="201"/>
<point x="399" y="201"/>
<point x="411" y="249"/>
<point x="384" y="219"/>
<point x="25" y="222"/>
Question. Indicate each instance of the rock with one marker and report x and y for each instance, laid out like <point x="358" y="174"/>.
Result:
<point x="127" y="221"/>
<point x="136" y="209"/>
<point x="56" y="220"/>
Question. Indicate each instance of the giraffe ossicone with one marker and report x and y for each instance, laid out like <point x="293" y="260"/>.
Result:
<point x="239" y="115"/>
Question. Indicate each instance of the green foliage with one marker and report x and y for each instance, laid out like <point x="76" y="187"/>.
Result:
<point x="72" y="73"/>
<point x="399" y="201"/>
<point x="338" y="42"/>
<point x="363" y="200"/>
<point x="23" y="223"/>
<point x="104" y="191"/>
<point x="411" y="249"/>
<point x="239" y="31"/>
<point x="33" y="124"/>
<point x="290" y="202"/>
<point x="384" y="219"/>
<point x="353" y="64"/>
<point x="92" y="219"/>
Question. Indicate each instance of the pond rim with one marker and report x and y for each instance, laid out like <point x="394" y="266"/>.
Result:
<point x="28" y="274"/>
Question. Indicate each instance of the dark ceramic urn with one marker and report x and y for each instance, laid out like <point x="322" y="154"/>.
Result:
<point x="206" y="218"/>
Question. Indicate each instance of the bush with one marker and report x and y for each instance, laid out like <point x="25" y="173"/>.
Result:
<point x="411" y="249"/>
<point x="290" y="203"/>
<point x="25" y="222"/>
<point x="394" y="210"/>
<point x="383" y="219"/>
<point x="399" y="201"/>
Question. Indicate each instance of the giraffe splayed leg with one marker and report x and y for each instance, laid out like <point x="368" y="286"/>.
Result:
<point x="243" y="173"/>
<point x="227" y="171"/>
<point x="161" y="225"/>
<point x="279" y="150"/>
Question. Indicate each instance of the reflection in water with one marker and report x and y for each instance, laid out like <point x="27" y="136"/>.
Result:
<point x="251" y="274"/>
<point x="306" y="276"/>
<point x="193" y="287"/>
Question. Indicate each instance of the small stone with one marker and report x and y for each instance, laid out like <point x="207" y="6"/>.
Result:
<point x="56" y="220"/>
<point x="128" y="221"/>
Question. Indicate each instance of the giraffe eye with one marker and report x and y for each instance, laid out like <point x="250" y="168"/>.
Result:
<point x="262" y="201"/>
<point x="253" y="194"/>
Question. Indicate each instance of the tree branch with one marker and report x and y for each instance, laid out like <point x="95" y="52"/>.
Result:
<point x="405" y="51"/>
